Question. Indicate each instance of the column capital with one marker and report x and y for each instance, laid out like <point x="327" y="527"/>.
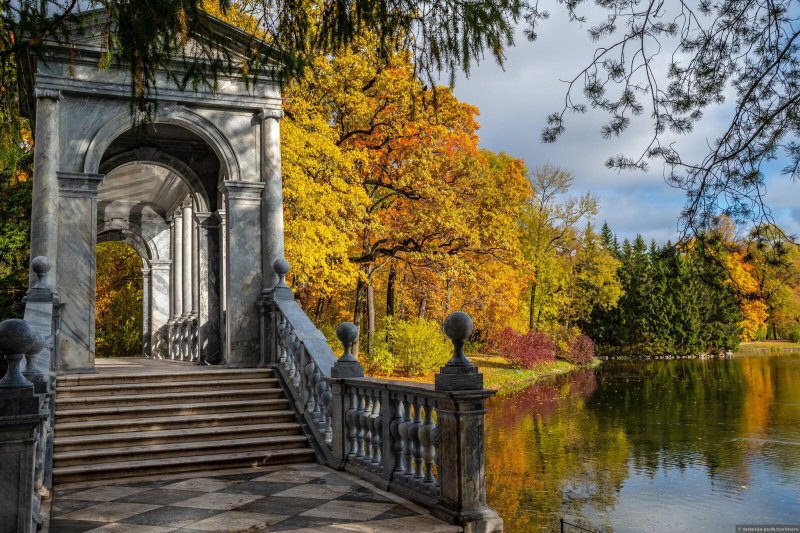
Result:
<point x="243" y="190"/>
<point x="47" y="93"/>
<point x="160" y="264"/>
<point x="78" y="183"/>
<point x="206" y="219"/>
<point x="276" y="114"/>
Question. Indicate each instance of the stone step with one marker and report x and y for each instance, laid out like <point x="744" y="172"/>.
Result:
<point x="146" y="438"/>
<point x="167" y="398"/>
<point x="176" y="449"/>
<point x="156" y="467"/>
<point x="159" y="423"/>
<point x="148" y="411"/>
<point x="78" y="391"/>
<point x="207" y="374"/>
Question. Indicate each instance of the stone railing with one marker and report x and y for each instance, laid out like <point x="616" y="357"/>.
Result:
<point x="423" y="442"/>
<point x="25" y="436"/>
<point x="182" y="339"/>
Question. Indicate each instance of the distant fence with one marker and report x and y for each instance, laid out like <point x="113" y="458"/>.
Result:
<point x="569" y="526"/>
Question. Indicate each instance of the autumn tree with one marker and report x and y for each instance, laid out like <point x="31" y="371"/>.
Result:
<point x="547" y="226"/>
<point x="775" y="263"/>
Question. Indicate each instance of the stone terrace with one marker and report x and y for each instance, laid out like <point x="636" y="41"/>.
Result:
<point x="294" y="498"/>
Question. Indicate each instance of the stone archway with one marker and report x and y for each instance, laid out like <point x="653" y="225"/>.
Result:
<point x="198" y="188"/>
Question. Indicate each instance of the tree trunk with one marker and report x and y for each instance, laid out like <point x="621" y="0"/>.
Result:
<point x="370" y="316"/>
<point x="531" y="323"/>
<point x="318" y="310"/>
<point x="447" y="298"/>
<point x="423" y="303"/>
<point x="390" y="291"/>
<point x="358" y="312"/>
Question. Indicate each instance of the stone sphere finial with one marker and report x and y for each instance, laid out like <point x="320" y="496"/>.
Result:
<point x="281" y="267"/>
<point x="16" y="337"/>
<point x="458" y="327"/>
<point x="41" y="266"/>
<point x="347" y="333"/>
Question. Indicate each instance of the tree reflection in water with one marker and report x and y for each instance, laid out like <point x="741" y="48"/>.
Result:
<point x="567" y="446"/>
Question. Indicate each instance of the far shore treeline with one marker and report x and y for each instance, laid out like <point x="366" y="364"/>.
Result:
<point x="396" y="217"/>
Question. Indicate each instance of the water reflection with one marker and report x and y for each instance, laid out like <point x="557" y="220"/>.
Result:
<point x="657" y="446"/>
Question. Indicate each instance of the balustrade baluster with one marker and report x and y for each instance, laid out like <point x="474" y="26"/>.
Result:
<point x="377" y="428"/>
<point x="366" y="441"/>
<point x="428" y="451"/>
<point x="327" y="404"/>
<point x="408" y="443"/>
<point x="308" y="386"/>
<point x="316" y="377"/>
<point x="296" y="359"/>
<point x="352" y="430"/>
<point x="437" y="457"/>
<point x="397" y="436"/>
<point x="360" y="429"/>
<point x="414" y="434"/>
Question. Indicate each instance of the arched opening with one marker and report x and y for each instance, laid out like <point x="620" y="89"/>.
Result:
<point x="158" y="193"/>
<point x="119" y="300"/>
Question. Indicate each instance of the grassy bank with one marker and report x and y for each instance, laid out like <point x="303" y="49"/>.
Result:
<point x="499" y="374"/>
<point x="767" y="346"/>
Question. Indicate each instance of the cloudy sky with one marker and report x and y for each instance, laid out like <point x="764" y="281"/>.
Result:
<point x="514" y="104"/>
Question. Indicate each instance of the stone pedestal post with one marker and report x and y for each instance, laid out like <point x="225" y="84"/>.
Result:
<point x="243" y="269"/>
<point x="462" y="472"/>
<point x="272" y="202"/>
<point x="21" y="420"/>
<point x="44" y="209"/>
<point x="208" y="288"/>
<point x="160" y="308"/>
<point x="76" y="266"/>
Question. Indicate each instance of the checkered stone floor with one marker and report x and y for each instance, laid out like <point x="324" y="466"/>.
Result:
<point x="293" y="498"/>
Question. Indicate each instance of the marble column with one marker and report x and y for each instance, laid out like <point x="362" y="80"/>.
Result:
<point x="177" y="284"/>
<point x="223" y="277"/>
<point x="243" y="261"/>
<point x="177" y="265"/>
<point x="272" y="200"/>
<point x="44" y="209"/>
<point x="186" y="270"/>
<point x="147" y="306"/>
<point x="208" y="288"/>
<point x="77" y="262"/>
<point x="160" y="309"/>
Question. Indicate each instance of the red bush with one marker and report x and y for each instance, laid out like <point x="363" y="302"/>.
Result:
<point x="525" y="351"/>
<point x="581" y="350"/>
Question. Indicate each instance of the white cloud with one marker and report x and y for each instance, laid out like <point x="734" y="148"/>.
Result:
<point x="514" y="104"/>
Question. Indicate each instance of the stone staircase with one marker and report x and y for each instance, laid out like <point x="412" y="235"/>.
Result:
<point x="131" y="425"/>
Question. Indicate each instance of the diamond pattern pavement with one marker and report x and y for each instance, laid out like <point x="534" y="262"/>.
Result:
<point x="292" y="499"/>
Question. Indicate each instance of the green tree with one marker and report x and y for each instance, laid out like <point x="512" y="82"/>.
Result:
<point x="119" y="301"/>
<point x="547" y="226"/>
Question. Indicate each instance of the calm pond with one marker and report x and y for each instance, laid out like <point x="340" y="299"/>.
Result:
<point x="681" y="445"/>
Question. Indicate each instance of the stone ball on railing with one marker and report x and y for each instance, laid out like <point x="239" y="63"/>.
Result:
<point x="17" y="337"/>
<point x="281" y="267"/>
<point x="458" y="327"/>
<point x="347" y="333"/>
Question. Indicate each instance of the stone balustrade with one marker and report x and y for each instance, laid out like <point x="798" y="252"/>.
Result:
<point x="423" y="442"/>
<point x="25" y="406"/>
